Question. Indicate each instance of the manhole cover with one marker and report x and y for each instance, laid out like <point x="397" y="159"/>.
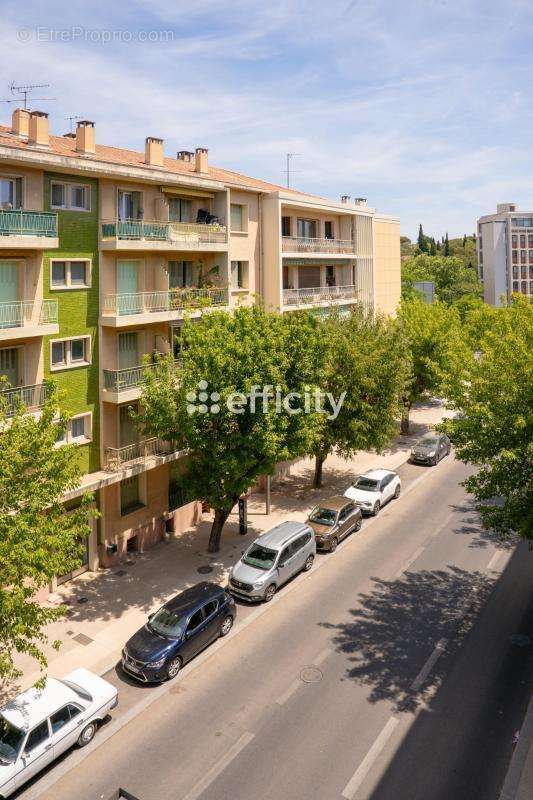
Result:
<point x="205" y="570"/>
<point x="120" y="573"/>
<point x="311" y="675"/>
<point x="82" y="600"/>
<point x="520" y="639"/>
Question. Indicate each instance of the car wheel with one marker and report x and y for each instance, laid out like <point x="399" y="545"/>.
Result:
<point x="226" y="626"/>
<point x="434" y="461"/>
<point x="358" y="524"/>
<point x="333" y="545"/>
<point x="173" y="667"/>
<point x="269" y="593"/>
<point x="308" y="563"/>
<point x="87" y="734"/>
<point x="449" y="450"/>
<point x="397" y="492"/>
<point x="375" y="510"/>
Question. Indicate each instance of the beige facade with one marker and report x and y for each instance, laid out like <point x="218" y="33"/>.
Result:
<point x="386" y="260"/>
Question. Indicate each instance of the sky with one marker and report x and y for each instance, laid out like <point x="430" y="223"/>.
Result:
<point x="419" y="105"/>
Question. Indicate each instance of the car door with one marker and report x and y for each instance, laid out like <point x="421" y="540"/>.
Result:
<point x="442" y="446"/>
<point x="284" y="565"/>
<point x="195" y="634"/>
<point x="212" y="619"/>
<point x="66" y="724"/>
<point x="348" y="518"/>
<point x="391" y="485"/>
<point x="38" y="752"/>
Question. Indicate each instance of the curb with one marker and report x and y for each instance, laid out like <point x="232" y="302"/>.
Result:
<point x="523" y="752"/>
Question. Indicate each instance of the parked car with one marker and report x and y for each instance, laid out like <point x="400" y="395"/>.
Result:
<point x="40" y="724"/>
<point x="332" y="520"/>
<point x="178" y="631"/>
<point x="431" y="448"/>
<point x="373" y="489"/>
<point x="273" y="559"/>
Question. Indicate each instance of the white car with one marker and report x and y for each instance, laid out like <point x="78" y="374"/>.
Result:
<point x="373" y="489"/>
<point x="40" y="724"/>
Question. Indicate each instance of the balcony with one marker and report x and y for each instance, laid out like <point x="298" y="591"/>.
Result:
<point x="124" y="385"/>
<point x="36" y="230"/>
<point x="120" y="310"/>
<point x="32" y="398"/>
<point x="319" y="296"/>
<point x="131" y="234"/>
<point x="299" y="244"/>
<point x="136" y="454"/>
<point x="24" y="319"/>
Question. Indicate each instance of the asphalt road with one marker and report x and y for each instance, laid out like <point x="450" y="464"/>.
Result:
<point x="387" y="672"/>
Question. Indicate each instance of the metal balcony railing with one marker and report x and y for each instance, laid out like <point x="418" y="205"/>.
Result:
<point x="116" y="458"/>
<point x="318" y="294"/>
<point x="31" y="397"/>
<point x="173" y="232"/>
<point x="299" y="244"/>
<point x="120" y="380"/>
<point x="17" y="315"/>
<point x="17" y="222"/>
<point x="172" y="300"/>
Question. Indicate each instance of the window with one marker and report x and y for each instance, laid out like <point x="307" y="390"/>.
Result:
<point x="10" y="193"/>
<point x="70" y="196"/>
<point x="130" y="498"/>
<point x="522" y="256"/>
<point x="179" y="210"/>
<point x="515" y="256"/>
<point x="180" y="274"/>
<point x="210" y="608"/>
<point x="522" y="240"/>
<point x="63" y="716"/>
<point x="531" y="270"/>
<point x="238" y="218"/>
<point x="530" y="287"/>
<point x="70" y="274"/>
<point x="285" y="226"/>
<point x="523" y="271"/>
<point x="78" y="430"/>
<point x="285" y="554"/>
<point x="68" y="353"/>
<point x="37" y="736"/>
<point x="239" y="274"/>
<point x="515" y="286"/>
<point x="515" y="271"/>
<point x="524" y="287"/>
<point x="330" y="275"/>
<point x="514" y="240"/>
<point x="196" y="619"/>
<point x="307" y="228"/>
<point x="346" y="511"/>
<point x="328" y="229"/>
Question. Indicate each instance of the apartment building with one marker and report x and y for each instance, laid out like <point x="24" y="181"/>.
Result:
<point x="104" y="251"/>
<point x="505" y="253"/>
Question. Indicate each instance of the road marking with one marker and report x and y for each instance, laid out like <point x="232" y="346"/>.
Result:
<point x="440" y="647"/>
<point x="219" y="767"/>
<point x="494" y="560"/>
<point x="369" y="760"/>
<point x="409" y="562"/>
<point x="295" y="685"/>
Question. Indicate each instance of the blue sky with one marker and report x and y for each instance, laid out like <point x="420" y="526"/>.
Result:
<point x="421" y="106"/>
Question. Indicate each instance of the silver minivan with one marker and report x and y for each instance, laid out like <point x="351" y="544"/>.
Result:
<point x="271" y="560"/>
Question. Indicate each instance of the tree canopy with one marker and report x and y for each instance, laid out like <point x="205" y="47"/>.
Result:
<point x="453" y="280"/>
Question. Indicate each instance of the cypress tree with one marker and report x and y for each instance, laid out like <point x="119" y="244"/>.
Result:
<point x="446" y="245"/>
<point x="422" y="242"/>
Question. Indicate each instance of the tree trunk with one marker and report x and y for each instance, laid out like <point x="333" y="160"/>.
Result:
<point x="404" y="426"/>
<point x="221" y="516"/>
<point x="317" y="480"/>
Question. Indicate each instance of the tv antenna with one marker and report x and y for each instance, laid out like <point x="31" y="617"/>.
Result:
<point x="71" y="120"/>
<point x="25" y="91"/>
<point x="288" y="168"/>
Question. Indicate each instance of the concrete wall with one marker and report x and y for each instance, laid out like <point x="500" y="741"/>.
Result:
<point x="32" y="185"/>
<point x="387" y="265"/>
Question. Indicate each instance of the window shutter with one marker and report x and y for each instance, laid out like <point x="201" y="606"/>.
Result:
<point x="18" y="192"/>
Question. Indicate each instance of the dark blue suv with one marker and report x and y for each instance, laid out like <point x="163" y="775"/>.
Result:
<point x="178" y="631"/>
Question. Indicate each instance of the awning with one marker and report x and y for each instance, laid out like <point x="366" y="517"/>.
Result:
<point x="186" y="192"/>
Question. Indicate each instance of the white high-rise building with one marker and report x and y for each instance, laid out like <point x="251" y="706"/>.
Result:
<point x="505" y="253"/>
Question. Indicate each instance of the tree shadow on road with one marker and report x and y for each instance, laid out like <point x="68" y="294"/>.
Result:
<point x="395" y="628"/>
<point x="480" y="537"/>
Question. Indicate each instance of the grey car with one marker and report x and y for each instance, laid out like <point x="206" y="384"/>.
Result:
<point x="272" y="560"/>
<point x="431" y="448"/>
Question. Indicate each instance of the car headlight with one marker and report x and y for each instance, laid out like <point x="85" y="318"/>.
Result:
<point x="258" y="585"/>
<point x="157" y="664"/>
<point x="432" y="454"/>
<point x="367" y="503"/>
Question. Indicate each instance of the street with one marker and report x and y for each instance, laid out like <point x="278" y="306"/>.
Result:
<point x="380" y="675"/>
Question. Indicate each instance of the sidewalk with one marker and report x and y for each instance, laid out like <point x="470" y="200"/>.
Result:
<point x="518" y="783"/>
<point x="106" y="608"/>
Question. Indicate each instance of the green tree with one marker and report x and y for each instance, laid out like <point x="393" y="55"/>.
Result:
<point x="38" y="540"/>
<point x="446" y="245"/>
<point x="364" y="358"/>
<point x="422" y="242"/>
<point x="452" y="278"/>
<point x="492" y="391"/>
<point x="229" y="448"/>
<point x="432" y="248"/>
<point x="433" y="342"/>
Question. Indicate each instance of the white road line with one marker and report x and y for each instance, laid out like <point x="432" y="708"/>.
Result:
<point x="219" y="767"/>
<point x="409" y="562"/>
<point x="440" y="647"/>
<point x="295" y="685"/>
<point x="494" y="560"/>
<point x="369" y="760"/>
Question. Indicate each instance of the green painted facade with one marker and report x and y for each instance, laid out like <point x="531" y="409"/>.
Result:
<point x="78" y="312"/>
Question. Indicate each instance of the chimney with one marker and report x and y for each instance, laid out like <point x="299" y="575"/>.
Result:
<point x="345" y="198"/>
<point x="360" y="201"/>
<point x="185" y="155"/>
<point x="200" y="163"/>
<point x="21" y="122"/>
<point x="38" y="129"/>
<point x="153" y="151"/>
<point x="85" y="137"/>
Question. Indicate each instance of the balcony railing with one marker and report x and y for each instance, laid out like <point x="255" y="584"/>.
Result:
<point x="299" y="244"/>
<point x="318" y="294"/>
<point x="16" y="315"/>
<point x="116" y="458"/>
<point x="173" y="232"/>
<point x="16" y="222"/>
<point x="121" y="380"/>
<point x="31" y="397"/>
<point x="172" y="300"/>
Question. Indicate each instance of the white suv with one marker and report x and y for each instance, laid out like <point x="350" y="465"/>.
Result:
<point x="373" y="489"/>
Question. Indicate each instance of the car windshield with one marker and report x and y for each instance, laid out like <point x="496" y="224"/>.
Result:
<point x="10" y="740"/>
<point x="323" y="516"/>
<point x="167" y="623"/>
<point x="260" y="557"/>
<point x="367" y="484"/>
<point x="431" y="441"/>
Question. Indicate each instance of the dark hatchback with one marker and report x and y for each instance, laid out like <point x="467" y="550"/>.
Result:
<point x="178" y="631"/>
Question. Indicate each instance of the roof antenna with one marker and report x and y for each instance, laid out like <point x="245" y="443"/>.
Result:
<point x="25" y="91"/>
<point x="71" y="121"/>
<point x="288" y="169"/>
